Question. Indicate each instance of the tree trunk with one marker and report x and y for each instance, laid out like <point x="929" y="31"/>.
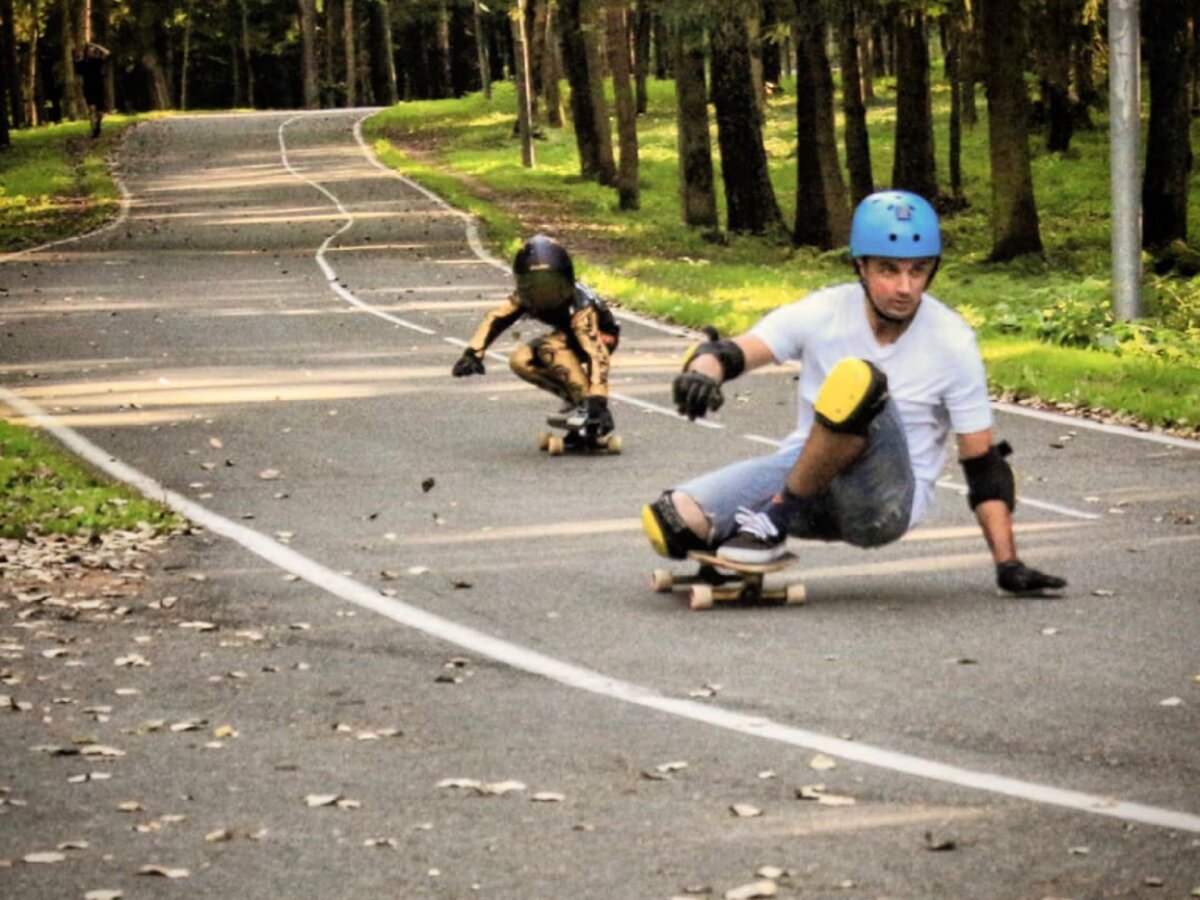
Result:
<point x="1168" y="144"/>
<point x="697" y="195"/>
<point x="72" y="98"/>
<point x="348" y="51"/>
<point x="383" y="64"/>
<point x="914" y="167"/>
<point x="953" y="32"/>
<point x="524" y="89"/>
<point x="1014" y="213"/>
<point x="858" y="146"/>
<point x="187" y="57"/>
<point x="622" y="73"/>
<point x="12" y="67"/>
<point x="772" y="51"/>
<point x="749" y="197"/>
<point x="822" y="214"/>
<point x="445" y="67"/>
<point x="552" y="70"/>
<point x="308" y="52"/>
<point x="1058" y="26"/>
<point x="643" y="27"/>
<point x="593" y="141"/>
<point x="5" y="140"/>
<point x="247" y="61"/>
<point x="485" y="75"/>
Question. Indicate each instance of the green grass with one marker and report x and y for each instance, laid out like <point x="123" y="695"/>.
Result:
<point x="647" y="260"/>
<point x="44" y="490"/>
<point x="54" y="183"/>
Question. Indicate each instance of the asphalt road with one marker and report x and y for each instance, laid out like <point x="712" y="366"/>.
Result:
<point x="404" y="591"/>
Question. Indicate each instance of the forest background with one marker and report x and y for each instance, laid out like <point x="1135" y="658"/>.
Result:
<point x="700" y="158"/>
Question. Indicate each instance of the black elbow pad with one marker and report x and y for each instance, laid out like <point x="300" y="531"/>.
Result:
<point x="990" y="477"/>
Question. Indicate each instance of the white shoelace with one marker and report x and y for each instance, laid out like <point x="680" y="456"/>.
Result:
<point x="758" y="524"/>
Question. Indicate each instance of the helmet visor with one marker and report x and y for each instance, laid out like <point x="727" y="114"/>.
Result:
<point x="543" y="289"/>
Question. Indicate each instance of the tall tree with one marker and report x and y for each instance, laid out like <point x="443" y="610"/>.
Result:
<point x="914" y="166"/>
<point x="524" y="88"/>
<point x="749" y="196"/>
<point x="1058" y="24"/>
<point x="308" y="52"/>
<point x="349" y="52"/>
<point x="822" y="213"/>
<point x="11" y="64"/>
<point x="593" y="133"/>
<point x="619" y="63"/>
<point x="247" y="59"/>
<point x="643" y="29"/>
<point x="1015" y="229"/>
<point x="1168" y="141"/>
<point x="854" y="110"/>
<point x="698" y="198"/>
<point x="481" y="48"/>
<point x="382" y="58"/>
<point x="552" y="69"/>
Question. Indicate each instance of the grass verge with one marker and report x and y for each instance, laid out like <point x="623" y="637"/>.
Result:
<point x="53" y="184"/>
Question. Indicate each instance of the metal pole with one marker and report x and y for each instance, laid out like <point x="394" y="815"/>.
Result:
<point x="1124" y="81"/>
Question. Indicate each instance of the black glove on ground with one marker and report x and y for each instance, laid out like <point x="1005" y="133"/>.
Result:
<point x="1017" y="578"/>
<point x="468" y="364"/>
<point x="696" y="394"/>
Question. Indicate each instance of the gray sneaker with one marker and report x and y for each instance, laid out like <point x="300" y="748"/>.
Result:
<point x="757" y="542"/>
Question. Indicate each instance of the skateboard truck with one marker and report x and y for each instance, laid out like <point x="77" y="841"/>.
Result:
<point x="721" y="580"/>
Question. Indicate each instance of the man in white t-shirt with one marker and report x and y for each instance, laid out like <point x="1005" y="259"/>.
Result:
<point x="887" y="372"/>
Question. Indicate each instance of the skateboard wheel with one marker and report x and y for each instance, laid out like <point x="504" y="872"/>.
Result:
<point x="613" y="444"/>
<point x="701" y="596"/>
<point x="796" y="594"/>
<point x="661" y="581"/>
<point x="544" y="440"/>
<point x="554" y="445"/>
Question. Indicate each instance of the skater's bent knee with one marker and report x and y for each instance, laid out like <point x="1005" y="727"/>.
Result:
<point x="667" y="528"/>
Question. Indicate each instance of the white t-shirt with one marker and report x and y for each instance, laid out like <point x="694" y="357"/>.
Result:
<point x="935" y="373"/>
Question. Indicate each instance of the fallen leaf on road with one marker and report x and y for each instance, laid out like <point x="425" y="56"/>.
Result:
<point x="939" y="845"/>
<point x="216" y="443"/>
<point x="1171" y="701"/>
<point x="321" y="799"/>
<point x="163" y="872"/>
<point x="269" y="474"/>
<point x="772" y="872"/>
<point x="547" y="797"/>
<point x="754" y="889"/>
<point x="427" y="485"/>
<point x="100" y="750"/>
<point x="745" y="810"/>
<point x="822" y="762"/>
<point x="44" y="857"/>
<point x="103" y="894"/>
<point x="668" y="767"/>
<point x="1102" y="592"/>
<point x="130" y="806"/>
<point x="198" y="626"/>
<point x="381" y="842"/>
<point x="221" y="834"/>
<point x="133" y="660"/>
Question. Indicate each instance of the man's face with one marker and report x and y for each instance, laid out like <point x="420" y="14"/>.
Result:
<point x="895" y="285"/>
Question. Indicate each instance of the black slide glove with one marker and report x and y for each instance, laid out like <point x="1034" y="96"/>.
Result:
<point x="696" y="394"/>
<point x="599" y="420"/>
<point x="469" y="363"/>
<point x="1017" y="578"/>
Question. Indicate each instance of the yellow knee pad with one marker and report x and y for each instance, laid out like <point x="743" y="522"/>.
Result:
<point x="852" y="395"/>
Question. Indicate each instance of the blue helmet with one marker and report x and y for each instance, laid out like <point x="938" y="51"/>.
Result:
<point x="899" y="224"/>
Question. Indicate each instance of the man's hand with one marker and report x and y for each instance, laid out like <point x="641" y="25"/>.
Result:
<point x="599" y="421"/>
<point x="696" y="394"/>
<point x="1017" y="578"/>
<point x="468" y="364"/>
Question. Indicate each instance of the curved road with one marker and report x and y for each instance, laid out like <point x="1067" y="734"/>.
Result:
<point x="406" y="591"/>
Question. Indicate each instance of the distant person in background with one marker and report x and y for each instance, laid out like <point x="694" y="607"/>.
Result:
<point x="89" y="66"/>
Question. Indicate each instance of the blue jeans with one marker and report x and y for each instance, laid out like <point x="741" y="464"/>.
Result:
<point x="868" y="505"/>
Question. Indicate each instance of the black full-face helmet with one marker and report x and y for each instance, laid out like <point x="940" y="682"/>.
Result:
<point x="545" y="274"/>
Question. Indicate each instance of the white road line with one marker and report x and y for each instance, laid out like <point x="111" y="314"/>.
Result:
<point x="581" y="678"/>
